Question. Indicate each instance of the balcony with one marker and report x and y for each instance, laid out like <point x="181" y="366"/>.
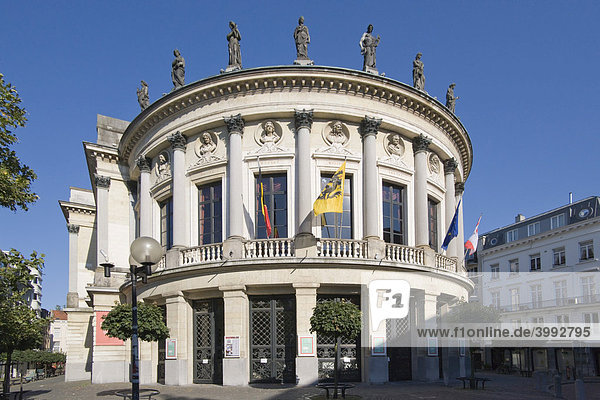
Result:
<point x="338" y="249"/>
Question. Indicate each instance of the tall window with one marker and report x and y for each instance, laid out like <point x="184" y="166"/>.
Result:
<point x="210" y="213"/>
<point x="557" y="221"/>
<point x="166" y="224"/>
<point x="432" y="213"/>
<point x="336" y="225"/>
<point x="495" y="268"/>
<point x="514" y="299"/>
<point x="588" y="288"/>
<point x="511" y="236"/>
<point x="536" y="262"/>
<point x="275" y="197"/>
<point x="536" y="295"/>
<point x="533" y="229"/>
<point x="562" y="319"/>
<point x="393" y="214"/>
<point x="513" y="266"/>
<point x="559" y="256"/>
<point x="590" y="318"/>
<point x="560" y="292"/>
<point x="586" y="250"/>
<point x="496" y="300"/>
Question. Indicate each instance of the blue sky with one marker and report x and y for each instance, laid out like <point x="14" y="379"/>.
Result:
<point x="526" y="73"/>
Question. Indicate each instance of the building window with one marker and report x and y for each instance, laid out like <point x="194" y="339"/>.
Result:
<point x="537" y="320"/>
<point x="432" y="214"/>
<point x="513" y="266"/>
<point x="557" y="221"/>
<point x="533" y="229"/>
<point x="495" y="271"/>
<point x="511" y="236"/>
<point x="536" y="262"/>
<point x="496" y="300"/>
<point x="275" y="198"/>
<point x="588" y="288"/>
<point x="393" y="213"/>
<point x="536" y="295"/>
<point x="590" y="318"/>
<point x="210" y="213"/>
<point x="560" y="292"/>
<point x="514" y="299"/>
<point x="559" y="256"/>
<point x="166" y="224"/>
<point x="336" y="225"/>
<point x="562" y="319"/>
<point x="586" y="250"/>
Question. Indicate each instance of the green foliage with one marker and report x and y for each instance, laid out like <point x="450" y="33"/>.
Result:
<point x="38" y="356"/>
<point x="15" y="178"/>
<point x="151" y="327"/>
<point x="337" y="318"/>
<point x="472" y="313"/>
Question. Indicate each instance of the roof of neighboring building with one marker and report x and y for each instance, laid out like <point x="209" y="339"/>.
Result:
<point x="59" y="314"/>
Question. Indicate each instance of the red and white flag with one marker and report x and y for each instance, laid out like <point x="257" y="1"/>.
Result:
<point x="471" y="244"/>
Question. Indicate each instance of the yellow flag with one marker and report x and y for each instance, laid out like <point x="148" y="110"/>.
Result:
<point x="331" y="198"/>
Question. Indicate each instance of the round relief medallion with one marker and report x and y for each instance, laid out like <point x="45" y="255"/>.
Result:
<point x="336" y="134"/>
<point x="206" y="144"/>
<point x="395" y="145"/>
<point x="434" y="163"/>
<point x="268" y="133"/>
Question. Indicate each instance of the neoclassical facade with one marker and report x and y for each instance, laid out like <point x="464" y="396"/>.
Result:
<point x="187" y="171"/>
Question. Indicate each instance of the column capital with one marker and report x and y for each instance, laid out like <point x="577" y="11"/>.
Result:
<point x="450" y="166"/>
<point x="102" y="181"/>
<point x="235" y="124"/>
<point x="144" y="164"/>
<point x="72" y="228"/>
<point x="177" y="140"/>
<point x="459" y="188"/>
<point x="421" y="143"/>
<point x="369" y="126"/>
<point x="303" y="118"/>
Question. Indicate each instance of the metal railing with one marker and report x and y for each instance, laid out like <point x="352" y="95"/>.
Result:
<point x="267" y="248"/>
<point x="404" y="254"/>
<point x="342" y="248"/>
<point x="201" y="254"/>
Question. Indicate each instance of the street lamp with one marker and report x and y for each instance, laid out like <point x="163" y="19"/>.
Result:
<point x="147" y="252"/>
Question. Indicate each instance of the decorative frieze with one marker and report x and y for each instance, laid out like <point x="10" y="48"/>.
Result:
<point x="303" y="118"/>
<point x="235" y="124"/>
<point x="72" y="228"/>
<point x="177" y="140"/>
<point x="369" y="126"/>
<point x="450" y="166"/>
<point x="421" y="143"/>
<point x="102" y="181"/>
<point x="144" y="164"/>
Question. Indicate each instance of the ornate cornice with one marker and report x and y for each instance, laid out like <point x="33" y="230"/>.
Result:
<point x="177" y="140"/>
<point x="369" y="126"/>
<point x="144" y="164"/>
<point x="459" y="188"/>
<point x="450" y="166"/>
<point x="102" y="181"/>
<point x="421" y="143"/>
<point x="72" y="228"/>
<point x="235" y="124"/>
<point x="317" y="79"/>
<point x="303" y="118"/>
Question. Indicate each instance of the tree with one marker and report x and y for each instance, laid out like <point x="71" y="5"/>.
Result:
<point x="15" y="178"/>
<point x="338" y="319"/>
<point x="20" y="326"/>
<point x="151" y="327"/>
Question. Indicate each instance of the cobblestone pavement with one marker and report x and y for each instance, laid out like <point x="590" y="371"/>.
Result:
<point x="500" y="387"/>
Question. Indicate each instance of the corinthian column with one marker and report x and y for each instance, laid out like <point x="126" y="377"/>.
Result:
<point x="235" y="216"/>
<point x="449" y="168"/>
<point x="303" y="120"/>
<point x="368" y="131"/>
<point x="73" y="294"/>
<point x="459" y="188"/>
<point x="145" y="200"/>
<point x="178" y="142"/>
<point x="420" y="146"/>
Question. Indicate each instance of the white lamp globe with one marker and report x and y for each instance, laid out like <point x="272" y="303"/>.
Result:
<point x="146" y="251"/>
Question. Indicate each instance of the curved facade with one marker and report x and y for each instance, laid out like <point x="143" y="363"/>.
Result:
<point x="187" y="171"/>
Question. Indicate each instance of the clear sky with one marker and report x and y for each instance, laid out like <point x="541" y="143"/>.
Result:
<point x="526" y="73"/>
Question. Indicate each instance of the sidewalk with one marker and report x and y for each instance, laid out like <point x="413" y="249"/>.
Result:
<point x="501" y="387"/>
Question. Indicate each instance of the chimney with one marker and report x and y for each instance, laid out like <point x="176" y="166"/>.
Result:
<point x="570" y="197"/>
<point x="519" y="218"/>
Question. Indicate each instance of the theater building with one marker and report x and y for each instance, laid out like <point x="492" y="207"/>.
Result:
<point x="187" y="171"/>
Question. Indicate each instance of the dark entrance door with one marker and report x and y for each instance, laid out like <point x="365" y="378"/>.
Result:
<point x="273" y="339"/>
<point x="349" y="351"/>
<point x="399" y="350"/>
<point x="161" y="351"/>
<point x="208" y="341"/>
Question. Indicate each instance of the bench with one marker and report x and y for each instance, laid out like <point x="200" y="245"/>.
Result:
<point x="473" y="382"/>
<point x="340" y="386"/>
<point x="144" y="393"/>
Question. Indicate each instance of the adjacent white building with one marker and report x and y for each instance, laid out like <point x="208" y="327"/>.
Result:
<point x="186" y="171"/>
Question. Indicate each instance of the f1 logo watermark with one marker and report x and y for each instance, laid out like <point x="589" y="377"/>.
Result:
<point x="388" y="299"/>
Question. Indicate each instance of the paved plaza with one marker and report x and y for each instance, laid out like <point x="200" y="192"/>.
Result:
<point x="500" y="387"/>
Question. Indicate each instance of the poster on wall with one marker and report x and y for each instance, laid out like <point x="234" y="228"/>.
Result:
<point x="232" y="346"/>
<point x="306" y="346"/>
<point x="378" y="345"/>
<point x="101" y="338"/>
<point x="171" y="349"/>
<point x="432" y="347"/>
<point x="462" y="344"/>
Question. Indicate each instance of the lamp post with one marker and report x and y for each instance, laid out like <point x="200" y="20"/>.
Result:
<point x="147" y="252"/>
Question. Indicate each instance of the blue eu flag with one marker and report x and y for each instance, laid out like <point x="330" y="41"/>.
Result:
<point x="452" y="229"/>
